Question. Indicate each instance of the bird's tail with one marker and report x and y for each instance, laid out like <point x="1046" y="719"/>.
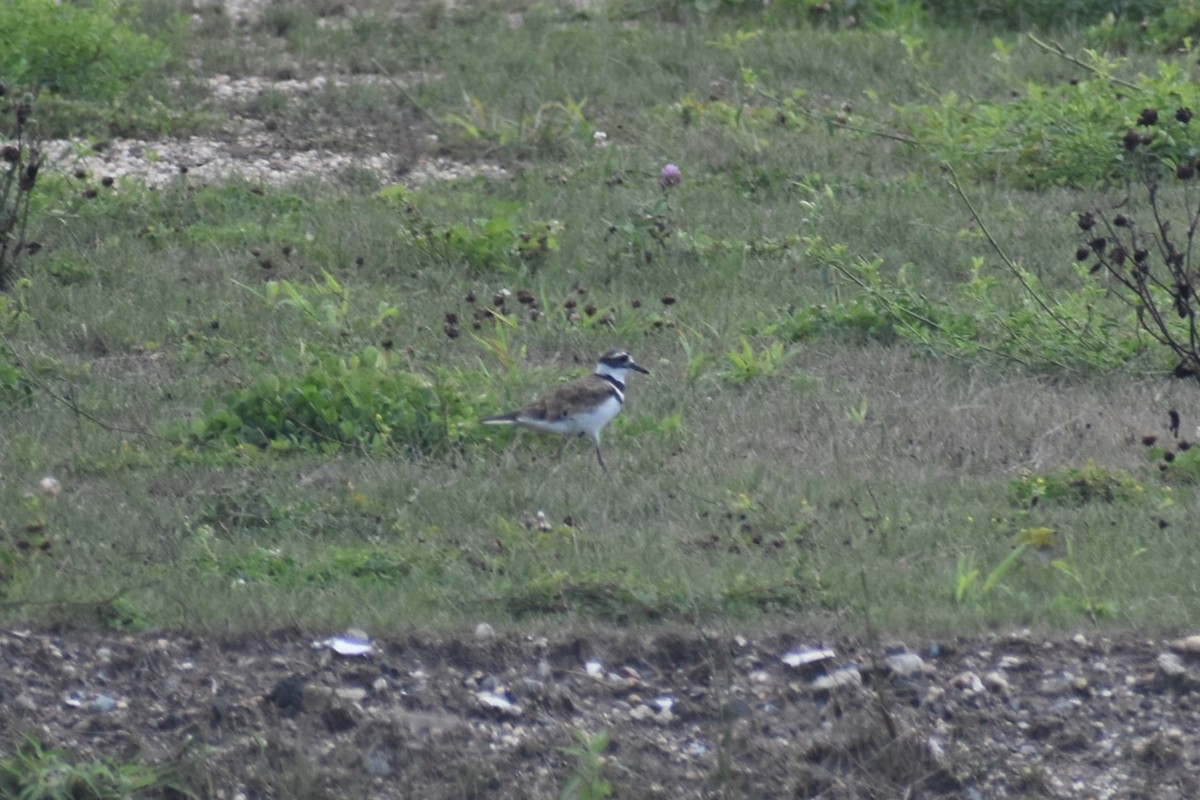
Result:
<point x="500" y="419"/>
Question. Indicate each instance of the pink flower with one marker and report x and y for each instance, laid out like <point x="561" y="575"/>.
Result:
<point x="670" y="176"/>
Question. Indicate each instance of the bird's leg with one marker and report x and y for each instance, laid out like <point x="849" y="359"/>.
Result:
<point x="561" y="447"/>
<point x="600" y="458"/>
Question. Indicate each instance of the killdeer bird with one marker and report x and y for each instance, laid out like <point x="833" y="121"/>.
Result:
<point x="579" y="408"/>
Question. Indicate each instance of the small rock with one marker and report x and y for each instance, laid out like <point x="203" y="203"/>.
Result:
<point x="805" y="657"/>
<point x="969" y="682"/>
<point x="351" y="694"/>
<point x="103" y="703"/>
<point x="838" y="679"/>
<point x="484" y="632"/>
<point x="502" y="702"/>
<point x="1188" y="644"/>
<point x="905" y="664"/>
<point x="1171" y="665"/>
<point x="996" y="681"/>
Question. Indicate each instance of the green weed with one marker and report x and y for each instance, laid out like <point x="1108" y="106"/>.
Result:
<point x="359" y="401"/>
<point x="1077" y="485"/>
<point x="35" y="772"/>
<point x="588" y="781"/>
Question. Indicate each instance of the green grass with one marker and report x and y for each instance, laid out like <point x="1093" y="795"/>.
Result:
<point x="759" y="474"/>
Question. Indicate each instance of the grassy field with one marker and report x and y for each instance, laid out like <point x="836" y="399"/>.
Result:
<point x="260" y="402"/>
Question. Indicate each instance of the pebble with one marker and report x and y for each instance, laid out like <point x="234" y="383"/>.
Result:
<point x="905" y="664"/>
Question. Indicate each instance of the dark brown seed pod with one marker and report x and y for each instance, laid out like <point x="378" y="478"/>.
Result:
<point x="1086" y="221"/>
<point x="28" y="178"/>
<point x="1082" y="253"/>
<point x="1131" y="140"/>
<point x="1098" y="244"/>
<point x="1149" y="117"/>
<point x="1185" y="170"/>
<point x="1183" y="114"/>
<point x="1122" y="221"/>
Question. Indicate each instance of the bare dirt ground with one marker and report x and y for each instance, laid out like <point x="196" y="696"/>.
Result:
<point x="688" y="714"/>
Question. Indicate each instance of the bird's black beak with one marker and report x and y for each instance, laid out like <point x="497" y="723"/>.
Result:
<point x="636" y="368"/>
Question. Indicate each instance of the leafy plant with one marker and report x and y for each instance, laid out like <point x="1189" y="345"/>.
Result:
<point x="500" y="242"/>
<point x="1067" y="134"/>
<point x="1147" y="259"/>
<point x="1087" y="602"/>
<point x="35" y="772"/>
<point x="1173" y="26"/>
<point x="326" y="303"/>
<point x="82" y="51"/>
<point x="1076" y="486"/>
<point x="966" y="575"/>
<point x="588" y="781"/>
<point x="747" y="364"/>
<point x="359" y="402"/>
<point x="546" y="128"/>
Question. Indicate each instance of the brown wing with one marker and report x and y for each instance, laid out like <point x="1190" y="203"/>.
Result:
<point x="570" y="399"/>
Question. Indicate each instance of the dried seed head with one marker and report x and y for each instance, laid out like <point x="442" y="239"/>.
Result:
<point x="1183" y="114"/>
<point x="1185" y="170"/>
<point x="526" y="298"/>
<point x="1140" y="255"/>
<point x="1086" y="221"/>
<point x="23" y="112"/>
<point x="1098" y="244"/>
<point x="1118" y="255"/>
<point x="451" y="331"/>
<point x="28" y="177"/>
<point x="470" y="298"/>
<point x="451" y="318"/>
<point x="1149" y="117"/>
<point x="108" y="180"/>
<point x="590" y="309"/>
<point x="1122" y="221"/>
<point x="1082" y="253"/>
<point x="11" y="153"/>
<point x="1149" y="441"/>
<point x="91" y="194"/>
<point x="1131" y="140"/>
<point x="668" y="300"/>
